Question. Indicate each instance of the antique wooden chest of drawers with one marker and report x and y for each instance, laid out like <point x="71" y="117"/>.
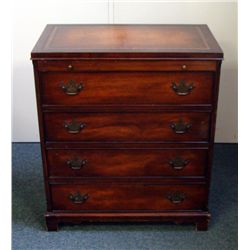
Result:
<point x="127" y="120"/>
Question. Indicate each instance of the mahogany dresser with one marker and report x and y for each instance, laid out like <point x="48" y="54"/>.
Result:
<point x="127" y="121"/>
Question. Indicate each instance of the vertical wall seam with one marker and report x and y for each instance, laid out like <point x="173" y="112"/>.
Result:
<point x="113" y="8"/>
<point x="111" y="11"/>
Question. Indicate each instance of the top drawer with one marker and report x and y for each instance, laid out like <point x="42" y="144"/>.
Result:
<point x="125" y="65"/>
<point x="134" y="88"/>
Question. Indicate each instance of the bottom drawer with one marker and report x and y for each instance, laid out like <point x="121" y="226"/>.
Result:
<point x="128" y="196"/>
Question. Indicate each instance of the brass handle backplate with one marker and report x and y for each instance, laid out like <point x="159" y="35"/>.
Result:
<point x="76" y="163"/>
<point x="176" y="197"/>
<point x="182" y="88"/>
<point x="77" y="198"/>
<point x="178" y="163"/>
<point x="74" y="127"/>
<point x="180" y="127"/>
<point x="72" y="88"/>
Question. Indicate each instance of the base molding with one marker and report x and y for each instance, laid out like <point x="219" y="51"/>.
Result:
<point x="200" y="219"/>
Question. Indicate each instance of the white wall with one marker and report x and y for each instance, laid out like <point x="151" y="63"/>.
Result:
<point x="30" y="17"/>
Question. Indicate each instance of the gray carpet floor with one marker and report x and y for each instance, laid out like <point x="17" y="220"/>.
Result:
<point x="28" y="206"/>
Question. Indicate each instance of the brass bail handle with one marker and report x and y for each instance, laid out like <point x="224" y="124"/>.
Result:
<point x="74" y="127"/>
<point x="76" y="163"/>
<point x="182" y="88"/>
<point x="180" y="127"/>
<point x="72" y="88"/>
<point x="176" y="197"/>
<point x="178" y="163"/>
<point x="78" y="198"/>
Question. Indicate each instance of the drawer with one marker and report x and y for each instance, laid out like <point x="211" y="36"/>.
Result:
<point x="127" y="162"/>
<point x="126" y="65"/>
<point x="127" y="88"/>
<point x="127" y="127"/>
<point x="122" y="196"/>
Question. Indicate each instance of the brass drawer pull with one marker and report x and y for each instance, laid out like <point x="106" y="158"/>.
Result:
<point x="178" y="163"/>
<point x="78" y="198"/>
<point x="70" y="67"/>
<point x="182" y="88"/>
<point x="72" y="88"/>
<point x="74" y="127"/>
<point x="180" y="127"/>
<point x="184" y="66"/>
<point x="76" y="163"/>
<point x="176" y="197"/>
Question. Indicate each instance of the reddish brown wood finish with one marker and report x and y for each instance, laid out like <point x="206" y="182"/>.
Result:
<point x="116" y="41"/>
<point x="70" y="65"/>
<point x="127" y="163"/>
<point x="128" y="127"/>
<point x="127" y="105"/>
<point x="139" y="196"/>
<point x="127" y="87"/>
<point x="200" y="218"/>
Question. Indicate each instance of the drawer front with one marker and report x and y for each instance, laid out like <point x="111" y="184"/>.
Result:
<point x="125" y="65"/>
<point x="139" y="196"/>
<point x="127" y="88"/>
<point x="127" y="162"/>
<point x="127" y="127"/>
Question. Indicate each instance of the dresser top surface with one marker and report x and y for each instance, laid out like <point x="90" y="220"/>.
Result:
<point x="152" y="41"/>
